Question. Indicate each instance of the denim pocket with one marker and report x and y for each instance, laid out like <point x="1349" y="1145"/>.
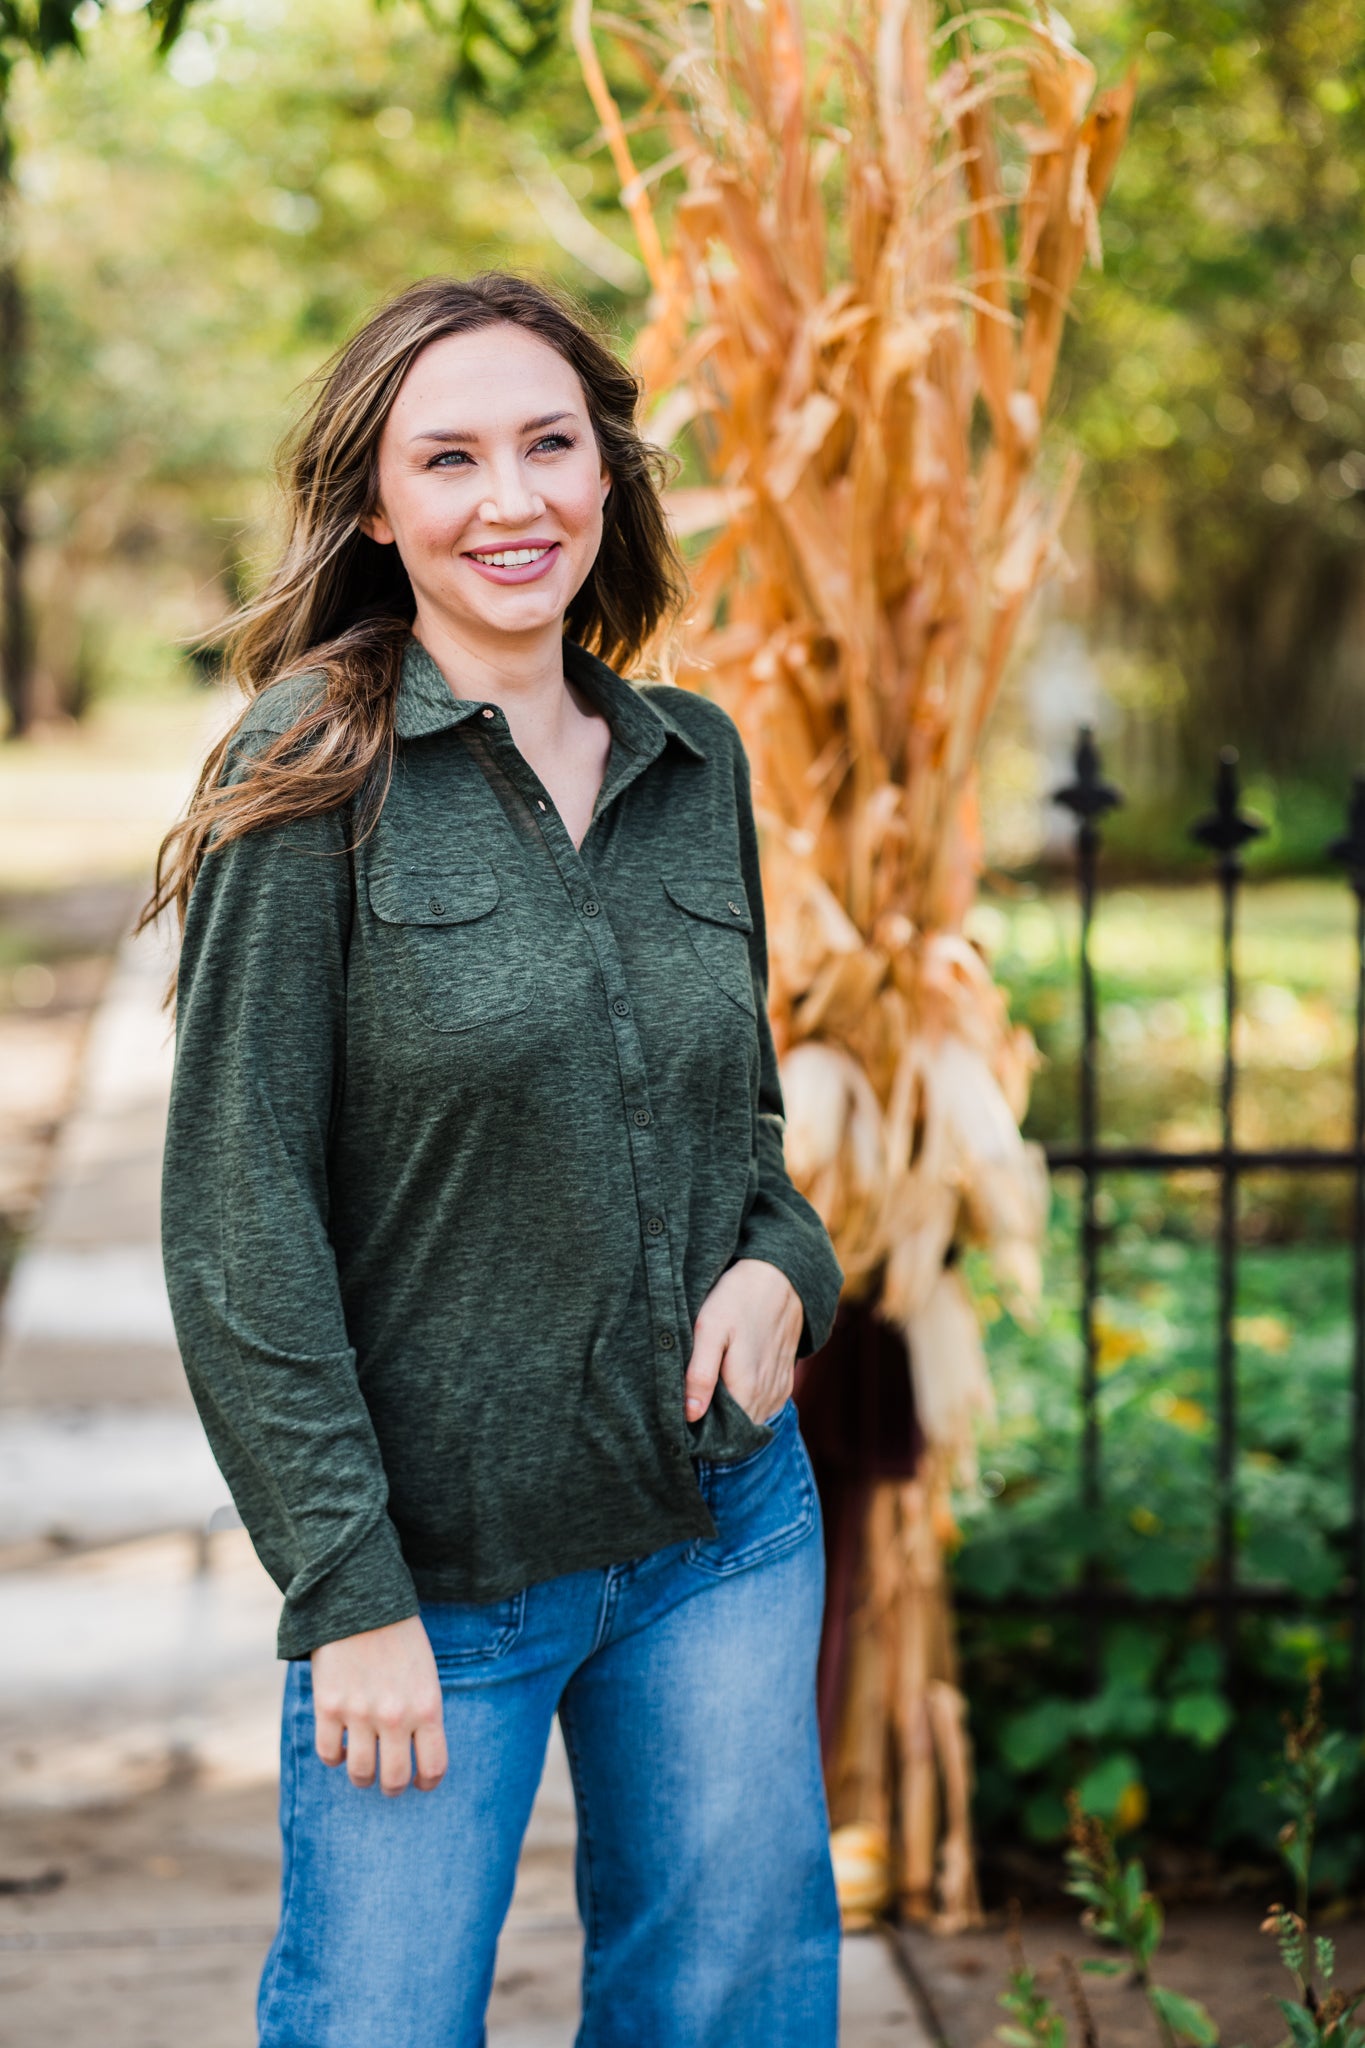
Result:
<point x="762" y="1505"/>
<point x="465" y="1633"/>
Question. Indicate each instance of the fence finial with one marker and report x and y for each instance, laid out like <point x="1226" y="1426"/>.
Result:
<point x="1089" y="796"/>
<point x="1227" y="828"/>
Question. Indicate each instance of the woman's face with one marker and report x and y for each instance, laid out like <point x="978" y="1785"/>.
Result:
<point x="488" y="450"/>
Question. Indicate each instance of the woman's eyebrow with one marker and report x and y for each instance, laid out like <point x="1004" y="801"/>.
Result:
<point x="453" y="434"/>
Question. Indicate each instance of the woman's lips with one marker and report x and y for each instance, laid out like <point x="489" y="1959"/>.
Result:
<point x="527" y="572"/>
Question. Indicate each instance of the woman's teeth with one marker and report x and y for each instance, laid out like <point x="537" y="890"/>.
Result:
<point x="511" y="558"/>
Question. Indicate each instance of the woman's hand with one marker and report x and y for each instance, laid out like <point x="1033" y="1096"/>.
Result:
<point x="381" y="1687"/>
<point x="746" y="1333"/>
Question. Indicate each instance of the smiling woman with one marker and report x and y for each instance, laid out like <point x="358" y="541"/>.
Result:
<point x="487" y="1271"/>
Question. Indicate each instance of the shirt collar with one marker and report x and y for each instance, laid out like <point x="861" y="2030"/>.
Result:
<point x="426" y="703"/>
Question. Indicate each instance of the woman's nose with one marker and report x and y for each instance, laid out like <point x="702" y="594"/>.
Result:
<point x="511" y="499"/>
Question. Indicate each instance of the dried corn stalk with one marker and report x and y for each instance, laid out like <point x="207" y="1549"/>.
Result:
<point x="856" y="320"/>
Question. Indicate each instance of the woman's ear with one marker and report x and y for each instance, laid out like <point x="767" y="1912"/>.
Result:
<point x="376" y="527"/>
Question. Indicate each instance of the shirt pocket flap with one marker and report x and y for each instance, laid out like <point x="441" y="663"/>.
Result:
<point x="433" y="896"/>
<point x="719" y="899"/>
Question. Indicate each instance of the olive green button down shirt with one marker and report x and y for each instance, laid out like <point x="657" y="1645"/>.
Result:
<point x="465" y="1124"/>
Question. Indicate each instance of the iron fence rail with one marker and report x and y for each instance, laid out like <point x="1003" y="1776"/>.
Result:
<point x="1225" y="831"/>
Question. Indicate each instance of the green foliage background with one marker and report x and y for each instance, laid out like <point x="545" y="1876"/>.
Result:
<point x="1216" y="380"/>
<point x="1142" y="1717"/>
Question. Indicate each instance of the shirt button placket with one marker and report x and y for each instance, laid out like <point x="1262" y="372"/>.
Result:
<point x="659" y="1276"/>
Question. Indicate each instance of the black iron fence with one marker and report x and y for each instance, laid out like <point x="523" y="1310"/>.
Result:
<point x="1224" y="1590"/>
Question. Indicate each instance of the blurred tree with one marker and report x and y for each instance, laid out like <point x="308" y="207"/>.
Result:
<point x="1216" y="380"/>
<point x="35" y="29"/>
<point x="27" y="28"/>
<point x="499" y="49"/>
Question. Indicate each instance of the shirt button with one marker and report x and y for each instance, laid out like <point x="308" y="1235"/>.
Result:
<point x="732" y="906"/>
<point x="640" y="1116"/>
<point x="489" y="712"/>
<point x="540" y="803"/>
<point x="666" y="1340"/>
<point x="655" y="1225"/>
<point x="436" y="907"/>
<point x="621" y="1007"/>
<point x="591" y="907"/>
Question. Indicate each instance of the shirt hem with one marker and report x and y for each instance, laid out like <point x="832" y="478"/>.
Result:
<point x="454" y="1582"/>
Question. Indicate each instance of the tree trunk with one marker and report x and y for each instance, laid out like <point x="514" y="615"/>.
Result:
<point x="14" y="636"/>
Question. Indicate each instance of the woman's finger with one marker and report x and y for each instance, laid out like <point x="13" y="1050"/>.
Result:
<point x="762" y="1392"/>
<point x="395" y="1756"/>
<point x="327" y="1737"/>
<point x="360" y="1741"/>
<point x="429" y="1747"/>
<point x="703" y="1369"/>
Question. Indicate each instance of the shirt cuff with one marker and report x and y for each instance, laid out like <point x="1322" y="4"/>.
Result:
<point x="809" y="1262"/>
<point x="368" y="1588"/>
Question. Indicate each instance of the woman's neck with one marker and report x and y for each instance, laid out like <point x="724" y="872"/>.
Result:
<point x="527" y="680"/>
<point x="510" y="671"/>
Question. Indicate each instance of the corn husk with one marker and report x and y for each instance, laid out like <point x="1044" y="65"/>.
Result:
<point x="855" y="321"/>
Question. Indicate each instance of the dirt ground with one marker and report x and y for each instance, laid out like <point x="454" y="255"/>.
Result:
<point x="1213" y="1953"/>
<point x="143" y="1926"/>
<point x="177" y="1887"/>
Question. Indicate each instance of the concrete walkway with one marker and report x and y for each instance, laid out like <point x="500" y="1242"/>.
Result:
<point x="139" y="1688"/>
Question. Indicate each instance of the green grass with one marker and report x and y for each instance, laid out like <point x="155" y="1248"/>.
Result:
<point x="1159" y="988"/>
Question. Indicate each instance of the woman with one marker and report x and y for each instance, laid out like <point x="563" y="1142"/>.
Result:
<point x="487" y="1273"/>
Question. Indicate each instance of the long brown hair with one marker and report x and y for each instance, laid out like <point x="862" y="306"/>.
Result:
<point x="339" y="605"/>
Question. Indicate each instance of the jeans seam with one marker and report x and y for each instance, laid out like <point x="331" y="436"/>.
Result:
<point x="269" y="1988"/>
<point x="606" y="1613"/>
<point x="585" y="1836"/>
<point x="456" y="1662"/>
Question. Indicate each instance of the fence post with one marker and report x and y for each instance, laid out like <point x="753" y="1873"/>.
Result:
<point x="1350" y="851"/>
<point x="1088" y="799"/>
<point x="1225" y="831"/>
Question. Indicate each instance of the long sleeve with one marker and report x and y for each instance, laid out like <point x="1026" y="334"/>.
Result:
<point x="251" y="1273"/>
<point x="779" y="1225"/>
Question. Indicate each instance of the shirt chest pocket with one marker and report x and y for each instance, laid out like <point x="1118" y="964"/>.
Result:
<point x="715" y="915"/>
<point x="454" y="943"/>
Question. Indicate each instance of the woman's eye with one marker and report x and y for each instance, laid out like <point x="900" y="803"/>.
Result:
<point x="556" y="441"/>
<point x="448" y="456"/>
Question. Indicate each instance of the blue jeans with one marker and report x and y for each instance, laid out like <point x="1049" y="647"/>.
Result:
<point x="684" y="1682"/>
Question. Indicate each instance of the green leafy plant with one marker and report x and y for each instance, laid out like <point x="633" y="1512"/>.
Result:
<point x="1318" y="2016"/>
<point x="1120" y="1910"/>
<point x="1034" y="2020"/>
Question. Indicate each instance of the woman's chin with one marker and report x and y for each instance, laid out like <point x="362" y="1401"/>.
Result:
<point x="500" y="609"/>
